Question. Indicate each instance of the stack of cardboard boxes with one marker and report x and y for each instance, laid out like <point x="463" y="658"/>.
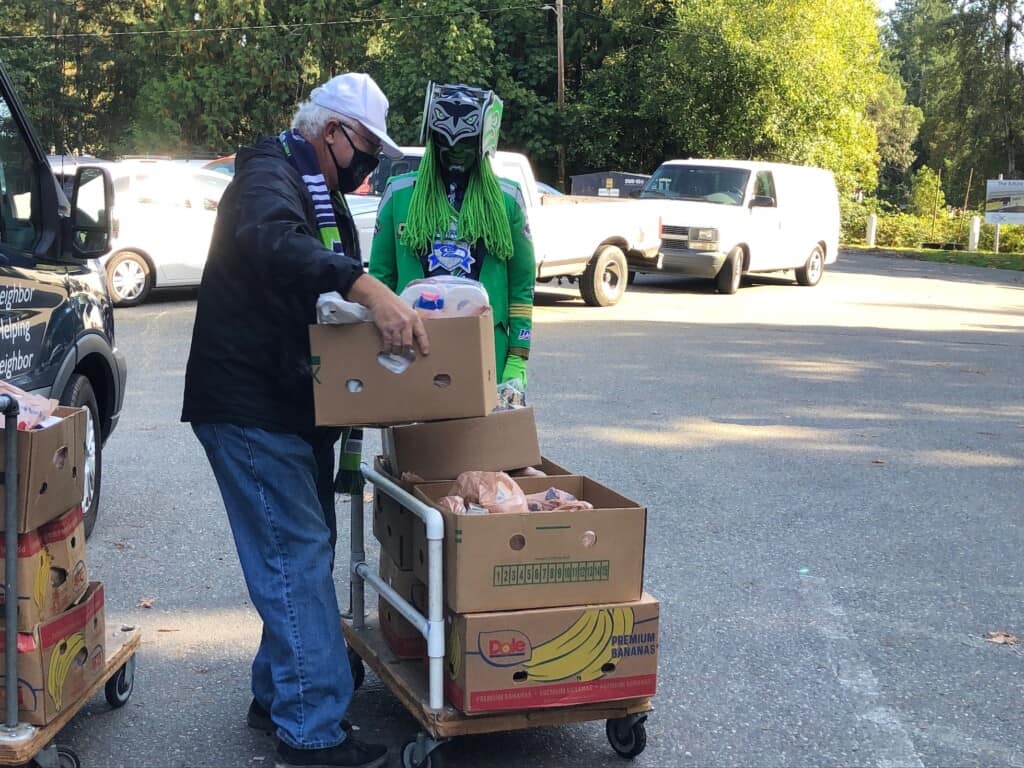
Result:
<point x="543" y="609"/>
<point x="61" y="630"/>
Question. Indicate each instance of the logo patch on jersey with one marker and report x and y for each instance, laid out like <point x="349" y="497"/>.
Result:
<point x="450" y="257"/>
<point x="524" y="334"/>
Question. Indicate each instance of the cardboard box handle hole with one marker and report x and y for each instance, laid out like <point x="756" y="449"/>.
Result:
<point x="519" y="677"/>
<point x="442" y="380"/>
<point x="60" y="457"/>
<point x="517" y="542"/>
<point x="354" y="385"/>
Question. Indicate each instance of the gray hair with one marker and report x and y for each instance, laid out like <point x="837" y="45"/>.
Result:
<point x="310" y="119"/>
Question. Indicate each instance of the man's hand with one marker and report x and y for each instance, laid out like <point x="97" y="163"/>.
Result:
<point x="399" y="324"/>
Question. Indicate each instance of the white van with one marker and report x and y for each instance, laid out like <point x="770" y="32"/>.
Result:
<point x="724" y="218"/>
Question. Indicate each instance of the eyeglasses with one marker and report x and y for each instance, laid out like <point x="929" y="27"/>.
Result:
<point x="376" y="147"/>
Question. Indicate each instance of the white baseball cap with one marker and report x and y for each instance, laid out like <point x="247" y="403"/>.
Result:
<point x="357" y="96"/>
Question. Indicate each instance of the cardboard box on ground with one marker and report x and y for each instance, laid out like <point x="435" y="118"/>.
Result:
<point x="59" y="659"/>
<point x="403" y="638"/>
<point x="552" y="657"/>
<point x="52" y="571"/>
<point x="511" y="561"/>
<point x="352" y="388"/>
<point x="50" y="469"/>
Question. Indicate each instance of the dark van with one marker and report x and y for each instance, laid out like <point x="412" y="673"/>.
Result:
<point x="56" y="318"/>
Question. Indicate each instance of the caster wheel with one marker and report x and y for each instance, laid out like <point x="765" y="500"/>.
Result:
<point x="358" y="669"/>
<point x="65" y="756"/>
<point x="119" y="687"/>
<point x="627" y="737"/>
<point x="433" y="760"/>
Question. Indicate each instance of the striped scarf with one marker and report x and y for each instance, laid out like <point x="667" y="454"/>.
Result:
<point x="302" y="156"/>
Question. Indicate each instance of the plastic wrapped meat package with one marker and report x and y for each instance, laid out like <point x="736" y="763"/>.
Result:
<point x="479" y="492"/>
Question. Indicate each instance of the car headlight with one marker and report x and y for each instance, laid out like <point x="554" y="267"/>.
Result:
<point x="703" y="239"/>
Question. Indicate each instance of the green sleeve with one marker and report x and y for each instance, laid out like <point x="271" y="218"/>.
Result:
<point x="522" y="275"/>
<point x="382" y="253"/>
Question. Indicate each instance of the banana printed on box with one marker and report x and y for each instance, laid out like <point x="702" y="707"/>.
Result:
<point x="552" y="657"/>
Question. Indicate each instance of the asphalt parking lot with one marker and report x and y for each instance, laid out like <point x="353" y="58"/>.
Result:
<point x="834" y="484"/>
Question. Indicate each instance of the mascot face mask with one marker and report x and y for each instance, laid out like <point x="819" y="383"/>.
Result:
<point x="463" y="121"/>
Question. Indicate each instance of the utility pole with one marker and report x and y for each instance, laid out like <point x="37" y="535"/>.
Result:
<point x="561" y="95"/>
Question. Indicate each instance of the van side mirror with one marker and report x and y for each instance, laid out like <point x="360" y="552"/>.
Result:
<point x="762" y="201"/>
<point x="92" y="199"/>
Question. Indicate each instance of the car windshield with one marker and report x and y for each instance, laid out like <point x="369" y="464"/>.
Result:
<point x="706" y="183"/>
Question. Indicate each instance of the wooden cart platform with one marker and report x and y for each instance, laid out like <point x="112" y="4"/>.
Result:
<point x="120" y="650"/>
<point x="408" y="681"/>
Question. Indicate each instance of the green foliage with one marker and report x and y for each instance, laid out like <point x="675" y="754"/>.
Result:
<point x="926" y="195"/>
<point x="801" y="81"/>
<point x="964" y="67"/>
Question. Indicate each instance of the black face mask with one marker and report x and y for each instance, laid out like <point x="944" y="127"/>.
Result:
<point x="360" y="166"/>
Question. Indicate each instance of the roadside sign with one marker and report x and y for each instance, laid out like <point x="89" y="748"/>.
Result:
<point x="1004" y="201"/>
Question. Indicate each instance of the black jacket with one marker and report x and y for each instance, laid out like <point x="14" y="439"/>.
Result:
<point x="249" y="362"/>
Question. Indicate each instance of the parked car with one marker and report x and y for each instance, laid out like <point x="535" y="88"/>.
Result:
<point x="56" y="317"/>
<point x="164" y="214"/>
<point x="724" y="218"/>
<point x="585" y="239"/>
<point x="225" y="165"/>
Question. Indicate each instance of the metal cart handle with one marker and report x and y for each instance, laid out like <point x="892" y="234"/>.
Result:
<point x="430" y="626"/>
<point x="9" y="407"/>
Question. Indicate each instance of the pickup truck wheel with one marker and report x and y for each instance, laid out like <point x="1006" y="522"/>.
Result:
<point x="728" y="278"/>
<point x="129" y="279"/>
<point x="810" y="273"/>
<point x="604" y="280"/>
<point x="77" y="394"/>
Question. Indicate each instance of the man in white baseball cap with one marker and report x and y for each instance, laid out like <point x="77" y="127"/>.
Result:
<point x="283" y="236"/>
<point x="356" y="96"/>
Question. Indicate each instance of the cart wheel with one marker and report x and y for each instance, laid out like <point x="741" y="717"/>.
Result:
<point x="433" y="760"/>
<point x="119" y="687"/>
<point x="358" y="669"/>
<point x="627" y="735"/>
<point x="66" y="757"/>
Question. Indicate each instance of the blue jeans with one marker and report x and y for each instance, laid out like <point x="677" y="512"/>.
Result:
<point x="279" y="495"/>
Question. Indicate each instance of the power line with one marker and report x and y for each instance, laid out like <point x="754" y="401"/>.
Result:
<point x="257" y="27"/>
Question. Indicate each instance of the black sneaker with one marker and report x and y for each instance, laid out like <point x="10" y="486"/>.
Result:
<point x="351" y="753"/>
<point x="259" y="719"/>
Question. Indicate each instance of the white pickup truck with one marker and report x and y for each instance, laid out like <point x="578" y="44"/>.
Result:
<point x="585" y="239"/>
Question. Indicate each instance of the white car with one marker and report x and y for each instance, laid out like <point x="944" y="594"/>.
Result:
<point x="163" y="221"/>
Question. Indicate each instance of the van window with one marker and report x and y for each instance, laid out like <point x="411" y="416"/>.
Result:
<point x="764" y="185"/>
<point x="19" y="199"/>
<point x="712" y="184"/>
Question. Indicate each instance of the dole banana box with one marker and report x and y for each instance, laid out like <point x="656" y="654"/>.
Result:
<point x="51" y="477"/>
<point x="51" y="568"/>
<point x="402" y="637"/>
<point x="59" y="659"/>
<point x="354" y="386"/>
<point x="513" y="561"/>
<point x="552" y="657"/>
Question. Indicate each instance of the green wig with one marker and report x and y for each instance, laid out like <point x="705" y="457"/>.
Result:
<point x="483" y="214"/>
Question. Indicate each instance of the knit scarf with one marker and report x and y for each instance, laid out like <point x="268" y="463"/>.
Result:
<point x="482" y="215"/>
<point x="302" y="156"/>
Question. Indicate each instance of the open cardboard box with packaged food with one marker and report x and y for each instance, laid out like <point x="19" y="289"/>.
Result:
<point x="51" y="475"/>
<point x="512" y="561"/>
